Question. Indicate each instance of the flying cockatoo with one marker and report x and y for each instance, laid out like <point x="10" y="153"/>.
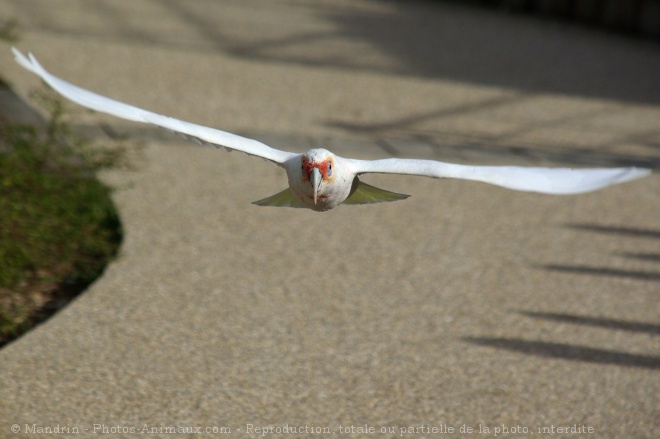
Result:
<point x="320" y="180"/>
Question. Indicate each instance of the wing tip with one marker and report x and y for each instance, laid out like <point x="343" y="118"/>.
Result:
<point x="28" y="62"/>
<point x="630" y="173"/>
<point x="635" y="173"/>
<point x="609" y="177"/>
<point x="21" y="59"/>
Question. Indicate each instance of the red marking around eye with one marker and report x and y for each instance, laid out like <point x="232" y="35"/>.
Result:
<point x="322" y="167"/>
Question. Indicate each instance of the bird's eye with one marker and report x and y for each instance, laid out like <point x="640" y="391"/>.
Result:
<point x="329" y="168"/>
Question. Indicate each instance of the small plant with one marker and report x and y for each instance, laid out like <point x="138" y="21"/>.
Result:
<point x="58" y="225"/>
<point x="8" y="30"/>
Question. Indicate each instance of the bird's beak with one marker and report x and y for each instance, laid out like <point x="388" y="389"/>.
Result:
<point x="315" y="179"/>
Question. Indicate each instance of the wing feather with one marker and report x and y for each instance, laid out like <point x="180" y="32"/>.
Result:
<point x="543" y="180"/>
<point x="197" y="133"/>
<point x="368" y="194"/>
<point x="284" y="198"/>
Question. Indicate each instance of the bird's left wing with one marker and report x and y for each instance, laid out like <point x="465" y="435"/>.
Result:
<point x="556" y="181"/>
<point x="197" y="133"/>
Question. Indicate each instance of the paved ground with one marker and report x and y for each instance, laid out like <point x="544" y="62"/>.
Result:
<point x="466" y="306"/>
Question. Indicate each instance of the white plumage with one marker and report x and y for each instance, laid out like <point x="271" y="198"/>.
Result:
<point x="321" y="180"/>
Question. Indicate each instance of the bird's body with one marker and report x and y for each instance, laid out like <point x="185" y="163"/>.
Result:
<point x="332" y="184"/>
<point x="321" y="180"/>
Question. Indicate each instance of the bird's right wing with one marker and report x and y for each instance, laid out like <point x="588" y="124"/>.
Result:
<point x="196" y="133"/>
<point x="543" y="180"/>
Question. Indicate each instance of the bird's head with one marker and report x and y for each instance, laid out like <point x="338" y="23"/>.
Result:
<point x="318" y="169"/>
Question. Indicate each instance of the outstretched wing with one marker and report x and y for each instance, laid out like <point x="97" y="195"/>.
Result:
<point x="368" y="194"/>
<point x="281" y="199"/>
<point x="556" y="181"/>
<point x="197" y="133"/>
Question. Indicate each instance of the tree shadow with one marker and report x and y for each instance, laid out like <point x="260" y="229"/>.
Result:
<point x="567" y="352"/>
<point x="422" y="39"/>
<point x="604" y="271"/>
<point x="652" y="257"/>
<point x="616" y="230"/>
<point x="492" y="147"/>
<point x="585" y="353"/>
<point x="599" y="322"/>
<point x="464" y="43"/>
<point x="643" y="275"/>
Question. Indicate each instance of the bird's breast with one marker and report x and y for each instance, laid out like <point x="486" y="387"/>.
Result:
<point x="330" y="193"/>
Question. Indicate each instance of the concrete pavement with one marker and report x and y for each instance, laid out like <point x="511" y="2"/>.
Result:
<point x="465" y="306"/>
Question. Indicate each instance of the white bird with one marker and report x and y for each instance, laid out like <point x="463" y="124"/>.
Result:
<point x="321" y="180"/>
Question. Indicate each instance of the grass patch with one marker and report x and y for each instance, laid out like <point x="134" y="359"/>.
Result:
<point x="58" y="225"/>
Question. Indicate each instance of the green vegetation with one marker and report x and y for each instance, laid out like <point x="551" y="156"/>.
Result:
<point x="8" y="30"/>
<point x="58" y="225"/>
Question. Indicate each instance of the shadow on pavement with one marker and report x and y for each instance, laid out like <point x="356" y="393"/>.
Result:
<point x="567" y="352"/>
<point x="604" y="271"/>
<point x="599" y="322"/>
<point x="482" y="46"/>
<point x="617" y="230"/>
<point x="491" y="145"/>
<point x="425" y="39"/>
<point x="583" y="353"/>
<point x="612" y="271"/>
